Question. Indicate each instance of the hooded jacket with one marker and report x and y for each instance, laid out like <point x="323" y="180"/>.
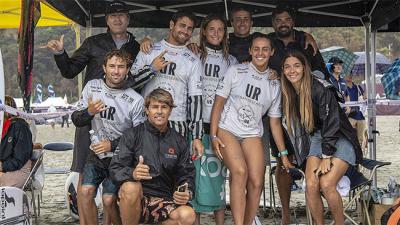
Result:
<point x="331" y="119"/>
<point x="167" y="154"/>
<point x="16" y="145"/>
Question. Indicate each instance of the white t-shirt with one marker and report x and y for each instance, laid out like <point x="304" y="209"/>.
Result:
<point x="181" y="78"/>
<point x="214" y="68"/>
<point x="250" y="94"/>
<point x="125" y="108"/>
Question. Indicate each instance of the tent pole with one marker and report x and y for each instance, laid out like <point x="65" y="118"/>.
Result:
<point x="77" y="45"/>
<point x="373" y="95"/>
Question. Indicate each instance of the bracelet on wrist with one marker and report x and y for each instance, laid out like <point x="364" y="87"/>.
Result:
<point x="326" y="156"/>
<point x="213" y="137"/>
<point x="283" y="152"/>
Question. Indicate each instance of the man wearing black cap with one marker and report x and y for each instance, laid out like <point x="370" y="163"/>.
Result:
<point x="91" y="55"/>
<point x="335" y="68"/>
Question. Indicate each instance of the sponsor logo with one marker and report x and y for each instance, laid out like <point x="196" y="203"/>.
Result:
<point x="171" y="153"/>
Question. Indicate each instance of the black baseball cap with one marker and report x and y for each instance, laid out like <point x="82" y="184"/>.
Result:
<point x="116" y="7"/>
<point x="335" y="60"/>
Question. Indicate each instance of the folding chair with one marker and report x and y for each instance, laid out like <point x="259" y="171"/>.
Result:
<point x="359" y="186"/>
<point x="58" y="147"/>
<point x="297" y="175"/>
<point x="34" y="182"/>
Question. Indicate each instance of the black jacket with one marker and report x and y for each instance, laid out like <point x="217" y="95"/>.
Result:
<point x="331" y="119"/>
<point x="275" y="61"/>
<point x="91" y="55"/>
<point x="167" y="154"/>
<point x="16" y="146"/>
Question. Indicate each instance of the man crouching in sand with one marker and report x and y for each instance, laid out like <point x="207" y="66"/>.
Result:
<point x="154" y="169"/>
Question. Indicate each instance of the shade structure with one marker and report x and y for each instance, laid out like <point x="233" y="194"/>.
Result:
<point x="381" y="62"/>
<point x="345" y="55"/>
<point x="10" y="15"/>
<point x="391" y="79"/>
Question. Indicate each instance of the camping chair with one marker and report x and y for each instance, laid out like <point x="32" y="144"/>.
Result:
<point x="361" y="188"/>
<point x="33" y="183"/>
<point x="297" y="175"/>
<point x="58" y="147"/>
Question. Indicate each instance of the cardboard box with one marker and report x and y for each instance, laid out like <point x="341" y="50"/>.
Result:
<point x="376" y="213"/>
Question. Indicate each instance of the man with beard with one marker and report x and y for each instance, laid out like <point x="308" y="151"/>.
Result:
<point x="181" y="77"/>
<point x="285" y="39"/>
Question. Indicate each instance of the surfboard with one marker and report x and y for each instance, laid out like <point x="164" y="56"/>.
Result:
<point x="15" y="207"/>
<point x="2" y="93"/>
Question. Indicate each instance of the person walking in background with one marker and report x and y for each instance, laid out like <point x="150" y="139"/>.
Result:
<point x="153" y="168"/>
<point x="311" y="104"/>
<point x="65" y="119"/>
<point x="243" y="96"/>
<point x="110" y="110"/>
<point x="354" y="93"/>
<point x="15" y="150"/>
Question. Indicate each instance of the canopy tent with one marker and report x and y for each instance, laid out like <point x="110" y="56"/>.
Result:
<point x="10" y="15"/>
<point x="373" y="15"/>
<point x="315" y="13"/>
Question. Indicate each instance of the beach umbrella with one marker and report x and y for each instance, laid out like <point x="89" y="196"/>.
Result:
<point x="389" y="79"/>
<point x="30" y="14"/>
<point x="382" y="63"/>
<point x="345" y="55"/>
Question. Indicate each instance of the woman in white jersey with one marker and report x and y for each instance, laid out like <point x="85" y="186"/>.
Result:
<point x="243" y="96"/>
<point x="210" y="171"/>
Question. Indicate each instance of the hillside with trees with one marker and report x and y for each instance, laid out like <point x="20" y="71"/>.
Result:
<point x="45" y="70"/>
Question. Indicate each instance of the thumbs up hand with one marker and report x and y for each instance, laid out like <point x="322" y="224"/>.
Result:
<point x="141" y="171"/>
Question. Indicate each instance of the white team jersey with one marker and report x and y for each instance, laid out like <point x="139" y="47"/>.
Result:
<point x="125" y="108"/>
<point x="250" y="94"/>
<point x="181" y="78"/>
<point x="214" y="68"/>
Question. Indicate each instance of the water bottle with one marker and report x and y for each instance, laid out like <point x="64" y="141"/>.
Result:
<point x="95" y="139"/>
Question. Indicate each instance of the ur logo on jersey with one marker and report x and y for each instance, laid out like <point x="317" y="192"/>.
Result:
<point x="246" y="115"/>
<point x="253" y="91"/>
<point x="211" y="70"/>
<point x="108" y="113"/>
<point x="169" y="69"/>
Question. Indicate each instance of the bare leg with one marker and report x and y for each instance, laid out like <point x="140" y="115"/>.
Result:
<point x="235" y="162"/>
<point x="254" y="156"/>
<point x="130" y="195"/>
<point x="328" y="183"/>
<point x="89" y="205"/>
<point x="219" y="216"/>
<point x="111" y="212"/>
<point x="284" y="183"/>
<point x="183" y="215"/>
<point x="313" y="191"/>
<point x="82" y="220"/>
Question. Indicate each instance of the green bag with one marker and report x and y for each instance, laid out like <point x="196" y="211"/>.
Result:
<point x="210" y="180"/>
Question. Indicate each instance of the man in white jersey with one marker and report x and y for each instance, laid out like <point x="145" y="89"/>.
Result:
<point x="110" y="110"/>
<point x="181" y="78"/>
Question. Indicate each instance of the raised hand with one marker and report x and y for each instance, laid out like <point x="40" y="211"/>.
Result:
<point x="159" y="62"/>
<point x="55" y="46"/>
<point x="95" y="107"/>
<point x="141" y="171"/>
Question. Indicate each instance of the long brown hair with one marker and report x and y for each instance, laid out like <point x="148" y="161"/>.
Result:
<point x="290" y="109"/>
<point x="203" y="39"/>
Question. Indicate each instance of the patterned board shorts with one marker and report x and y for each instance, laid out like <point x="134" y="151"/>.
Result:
<point x="156" y="210"/>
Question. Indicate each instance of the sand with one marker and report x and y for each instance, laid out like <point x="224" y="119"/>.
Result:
<point x="53" y="207"/>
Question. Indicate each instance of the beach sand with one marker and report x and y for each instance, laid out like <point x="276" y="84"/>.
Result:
<point x="53" y="207"/>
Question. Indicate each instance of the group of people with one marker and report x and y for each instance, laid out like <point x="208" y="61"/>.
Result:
<point x="163" y="111"/>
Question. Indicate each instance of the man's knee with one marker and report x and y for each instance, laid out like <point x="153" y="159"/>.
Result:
<point x="130" y="191"/>
<point x="109" y="201"/>
<point x="88" y="191"/>
<point x="185" y="215"/>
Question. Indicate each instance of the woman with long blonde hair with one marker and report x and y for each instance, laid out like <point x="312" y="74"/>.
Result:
<point x="312" y="104"/>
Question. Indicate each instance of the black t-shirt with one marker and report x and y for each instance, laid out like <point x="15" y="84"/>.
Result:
<point x="239" y="47"/>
